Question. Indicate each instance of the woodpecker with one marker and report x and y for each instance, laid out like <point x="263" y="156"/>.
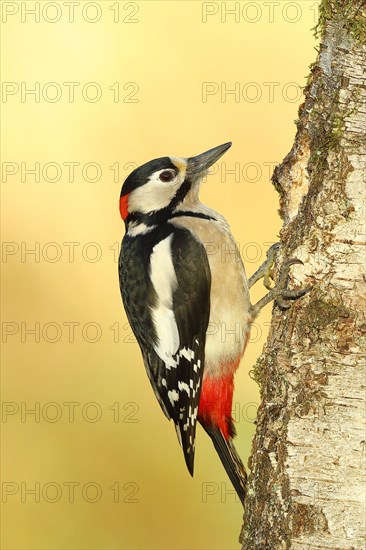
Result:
<point x="173" y="289"/>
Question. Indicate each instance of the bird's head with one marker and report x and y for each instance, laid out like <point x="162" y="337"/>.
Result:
<point x="165" y="183"/>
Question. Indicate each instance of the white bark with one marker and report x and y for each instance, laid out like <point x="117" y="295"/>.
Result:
<point x="307" y="486"/>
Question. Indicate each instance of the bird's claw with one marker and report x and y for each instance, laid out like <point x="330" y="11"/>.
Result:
<point x="280" y="292"/>
<point x="265" y="271"/>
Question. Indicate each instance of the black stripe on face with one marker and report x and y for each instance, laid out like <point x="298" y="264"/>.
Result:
<point x="162" y="216"/>
<point x="180" y="195"/>
<point x="141" y="175"/>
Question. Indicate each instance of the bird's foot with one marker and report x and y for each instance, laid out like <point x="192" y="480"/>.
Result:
<point x="265" y="271"/>
<point x="280" y="293"/>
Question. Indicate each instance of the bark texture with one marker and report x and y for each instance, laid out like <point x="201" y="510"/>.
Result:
<point x="307" y="482"/>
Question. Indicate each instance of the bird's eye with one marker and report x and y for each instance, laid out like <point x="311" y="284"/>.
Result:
<point x="167" y="175"/>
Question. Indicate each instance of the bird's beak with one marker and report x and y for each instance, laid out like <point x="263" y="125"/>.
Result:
<point x="198" y="166"/>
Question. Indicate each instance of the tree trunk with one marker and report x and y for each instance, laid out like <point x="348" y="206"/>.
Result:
<point x="307" y="486"/>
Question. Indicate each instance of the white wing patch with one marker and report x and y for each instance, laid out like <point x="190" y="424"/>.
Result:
<point x="186" y="360"/>
<point x="164" y="280"/>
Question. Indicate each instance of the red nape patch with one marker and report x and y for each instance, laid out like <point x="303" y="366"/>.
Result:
<point x="216" y="402"/>
<point x="123" y="206"/>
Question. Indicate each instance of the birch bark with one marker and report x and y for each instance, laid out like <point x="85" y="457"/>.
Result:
<point x="307" y="482"/>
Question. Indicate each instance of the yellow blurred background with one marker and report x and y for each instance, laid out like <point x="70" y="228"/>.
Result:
<point x="89" y="90"/>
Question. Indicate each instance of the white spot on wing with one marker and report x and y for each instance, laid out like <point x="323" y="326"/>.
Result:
<point x="173" y="396"/>
<point x="187" y="354"/>
<point x="184" y="386"/>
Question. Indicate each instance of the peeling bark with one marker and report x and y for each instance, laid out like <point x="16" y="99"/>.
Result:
<point x="307" y="482"/>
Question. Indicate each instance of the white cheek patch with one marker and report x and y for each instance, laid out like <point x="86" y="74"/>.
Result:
<point x="152" y="196"/>
<point x="156" y="194"/>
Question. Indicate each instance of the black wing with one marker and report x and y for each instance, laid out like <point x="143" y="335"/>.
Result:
<point x="177" y="379"/>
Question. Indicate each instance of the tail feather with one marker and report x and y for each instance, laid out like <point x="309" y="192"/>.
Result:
<point x="230" y="460"/>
